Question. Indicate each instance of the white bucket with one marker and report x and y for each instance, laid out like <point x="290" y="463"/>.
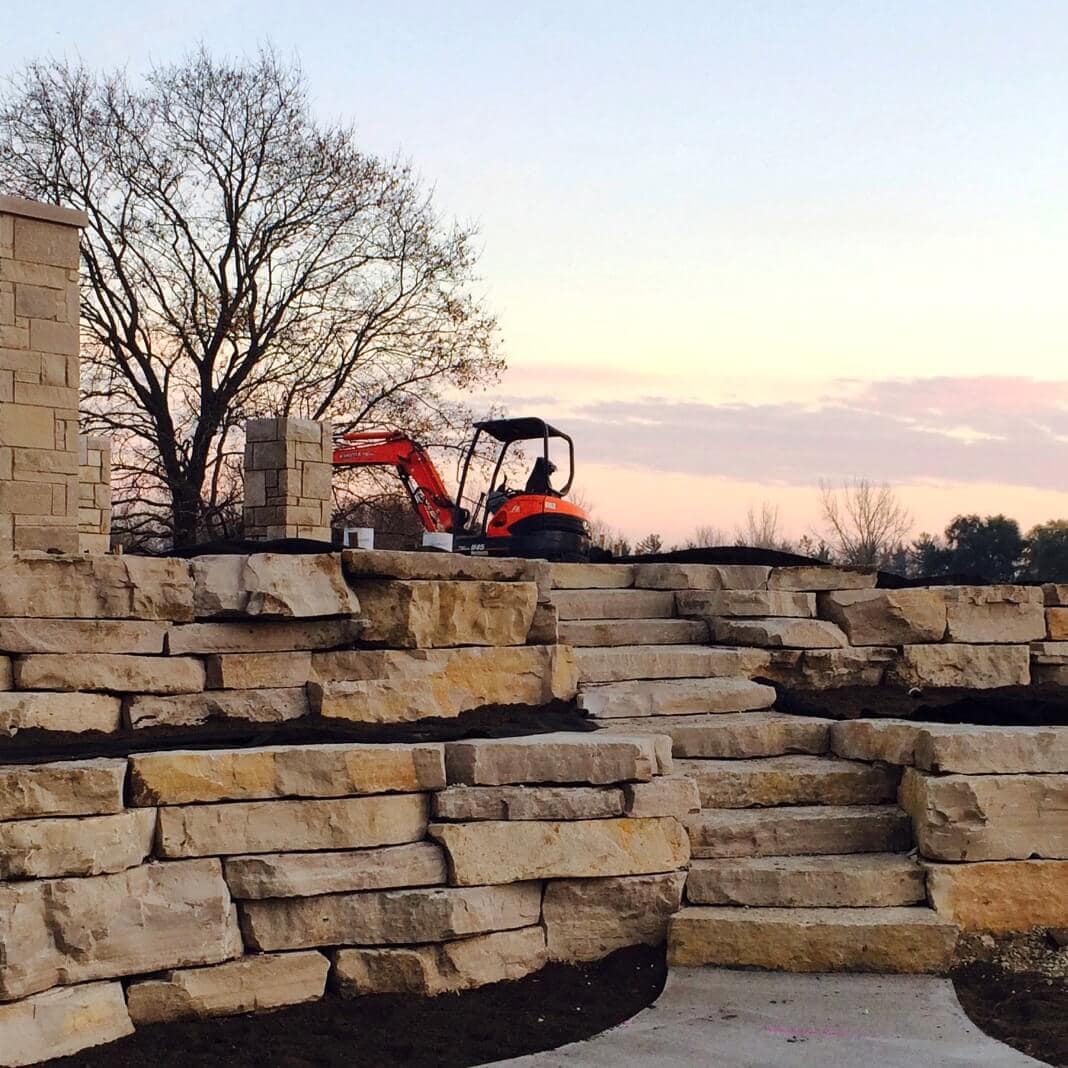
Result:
<point x="437" y="540"/>
<point x="360" y="537"/>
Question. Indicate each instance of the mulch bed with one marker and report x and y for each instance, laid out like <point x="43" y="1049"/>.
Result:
<point x="559" y="1004"/>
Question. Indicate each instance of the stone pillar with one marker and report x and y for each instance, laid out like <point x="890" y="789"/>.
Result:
<point x="288" y="469"/>
<point x="94" y="485"/>
<point x="38" y="375"/>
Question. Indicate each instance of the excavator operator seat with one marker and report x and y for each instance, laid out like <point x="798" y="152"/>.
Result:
<point x="540" y="474"/>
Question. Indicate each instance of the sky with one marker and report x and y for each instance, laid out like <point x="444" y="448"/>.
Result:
<point x="735" y="248"/>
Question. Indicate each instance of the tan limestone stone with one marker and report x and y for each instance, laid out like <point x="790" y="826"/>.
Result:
<point x="511" y="852"/>
<point x="892" y="741"/>
<point x="591" y="576"/>
<point x="259" y="671"/>
<point x="587" y="633"/>
<point x="971" y="666"/>
<point x="666" y="795"/>
<point x="627" y="662"/>
<point x="74" y="712"/>
<point x="443" y="968"/>
<point x="673" y="697"/>
<point x="526" y="803"/>
<point x="389" y="916"/>
<point x="1055" y="594"/>
<point x="822" y="669"/>
<point x="109" y="672"/>
<point x="389" y="564"/>
<point x="252" y="984"/>
<point x="66" y="788"/>
<point x="275" y="705"/>
<point x="982" y="750"/>
<point x="1056" y="624"/>
<point x="816" y="578"/>
<point x="586" y="919"/>
<point x="994" y="613"/>
<point x="887" y="617"/>
<point x="278" y="771"/>
<point x="706" y="604"/>
<point x="779" y="633"/>
<point x="138" y="921"/>
<point x="1000" y="895"/>
<point x="614" y="604"/>
<point x="545" y="626"/>
<point x="263" y="636"/>
<point x="81" y="636"/>
<point x="701" y="577"/>
<point x="311" y="874"/>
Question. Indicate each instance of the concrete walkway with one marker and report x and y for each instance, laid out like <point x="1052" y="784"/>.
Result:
<point x="734" y="1019"/>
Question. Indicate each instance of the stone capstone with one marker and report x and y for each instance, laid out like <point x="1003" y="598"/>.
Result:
<point x="527" y="803"/>
<point x="701" y="577"/>
<point x="1014" y="895"/>
<point x="591" y="576"/>
<point x="975" y="667"/>
<point x="814" y="578"/>
<point x="109" y="672"/>
<point x="65" y="788"/>
<point x="979" y="614"/>
<point x="192" y="710"/>
<point x="391" y="564"/>
<point x="59" y="712"/>
<point x="887" y="617"/>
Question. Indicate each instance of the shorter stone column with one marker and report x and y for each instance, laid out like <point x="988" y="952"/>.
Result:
<point x="94" y="494"/>
<point x="288" y="471"/>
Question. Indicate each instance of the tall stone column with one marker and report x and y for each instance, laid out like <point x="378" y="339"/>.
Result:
<point x="38" y="375"/>
<point x="288" y="470"/>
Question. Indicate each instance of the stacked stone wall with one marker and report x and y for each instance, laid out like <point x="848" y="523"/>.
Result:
<point x="94" y="493"/>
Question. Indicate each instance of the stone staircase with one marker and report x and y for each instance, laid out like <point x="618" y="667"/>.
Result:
<point x="801" y="860"/>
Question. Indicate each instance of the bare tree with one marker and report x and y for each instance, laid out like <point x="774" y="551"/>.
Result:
<point x="761" y="529"/>
<point x="651" y="543"/>
<point x="241" y="259"/>
<point x="705" y="536"/>
<point x="865" y="522"/>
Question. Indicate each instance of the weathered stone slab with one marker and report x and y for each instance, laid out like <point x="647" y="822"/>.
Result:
<point x="981" y="750"/>
<point x="790" y="780"/>
<point x="906" y="940"/>
<point x="994" y="613"/>
<point x="109" y="672"/>
<point x="674" y="697"/>
<point x="613" y="604"/>
<point x="390" y="564"/>
<point x="818" y="579"/>
<point x="311" y="874"/>
<point x="386" y="686"/>
<point x="259" y="671"/>
<point x="971" y="666"/>
<point x="527" y="803"/>
<point x="138" y="921"/>
<point x="274" y="826"/>
<point x="76" y="712"/>
<point x="275" y="585"/>
<point x="86" y="845"/>
<point x="443" y="968"/>
<point x="62" y="1022"/>
<point x="1012" y="895"/>
<point x="95" y="587"/>
<point x="262" y="636"/>
<point x="546" y="758"/>
<point x="252" y="984"/>
<point x="666" y="795"/>
<point x="627" y="662"/>
<point x="511" y="852"/>
<point x="707" y="604"/>
<point x="802" y="830"/>
<point x="701" y="577"/>
<point x="987" y="817"/>
<point x="587" y="633"/>
<point x="586" y="919"/>
<point x="389" y="916"/>
<point x="66" y="788"/>
<point x="1056" y="624"/>
<point x="591" y="576"/>
<point x="431" y="615"/>
<point x="81" y="636"/>
<point x="338" y="770"/>
<point x="192" y="710"/>
<point x="890" y="740"/>
<point x="779" y="633"/>
<point x="823" y="669"/>
<point x="866" y="880"/>
<point x="887" y="617"/>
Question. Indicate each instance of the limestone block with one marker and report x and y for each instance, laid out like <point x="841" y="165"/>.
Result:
<point x="527" y="803"/>
<point x="81" y="636"/>
<point x="705" y="604"/>
<point x="95" y="587"/>
<point x="272" y="585"/>
<point x="592" y="633"/>
<point x="277" y="771"/>
<point x="779" y="633"/>
<point x="674" y="697"/>
<point x="887" y="617"/>
<point x="701" y="577"/>
<point x="430" y="615"/>
<point x="980" y="750"/>
<point x="592" y="576"/>
<point x="443" y="968"/>
<point x="614" y="604"/>
<point x="1056" y="624"/>
<point x="816" y="578"/>
<point x="311" y="874"/>
<point x="59" y="712"/>
<point x="511" y="852"/>
<point x="586" y="919"/>
<point x="252" y="984"/>
<point x="266" y="636"/>
<point x="974" y="667"/>
<point x="274" y="705"/>
<point x="994" y="613"/>
<point x="560" y="757"/>
<point x="666" y="795"/>
<point x="273" y="826"/>
<point x="141" y="920"/>
<point x="62" y="1022"/>
<point x="67" y="788"/>
<point x="544" y="626"/>
<point x="384" y="563"/>
<point x="627" y="662"/>
<point x="892" y="741"/>
<point x="86" y="845"/>
<point x="1000" y="895"/>
<point x="389" y="916"/>
<point x="987" y="817"/>
<point x="110" y="672"/>
<point x="824" y="669"/>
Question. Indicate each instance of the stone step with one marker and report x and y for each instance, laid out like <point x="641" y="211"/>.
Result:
<point x="790" y="780"/>
<point x="865" y="880"/>
<point x="779" y="633"/>
<point x="622" y="663"/>
<point x="591" y="576"/>
<point x="904" y="940"/>
<point x="799" y="831"/>
<point x="674" y="697"/>
<point x="738" y="736"/>
<point x="614" y="604"/>
<point x="608" y="632"/>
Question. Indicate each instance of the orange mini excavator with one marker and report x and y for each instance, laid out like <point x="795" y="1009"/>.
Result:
<point x="535" y="521"/>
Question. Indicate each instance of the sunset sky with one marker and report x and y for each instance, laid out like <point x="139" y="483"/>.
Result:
<point x="734" y="247"/>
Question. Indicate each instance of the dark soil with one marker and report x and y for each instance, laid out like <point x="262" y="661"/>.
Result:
<point x="491" y="721"/>
<point x="559" y="1004"/>
<point x="1022" y="706"/>
<point x="1027" y="1012"/>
